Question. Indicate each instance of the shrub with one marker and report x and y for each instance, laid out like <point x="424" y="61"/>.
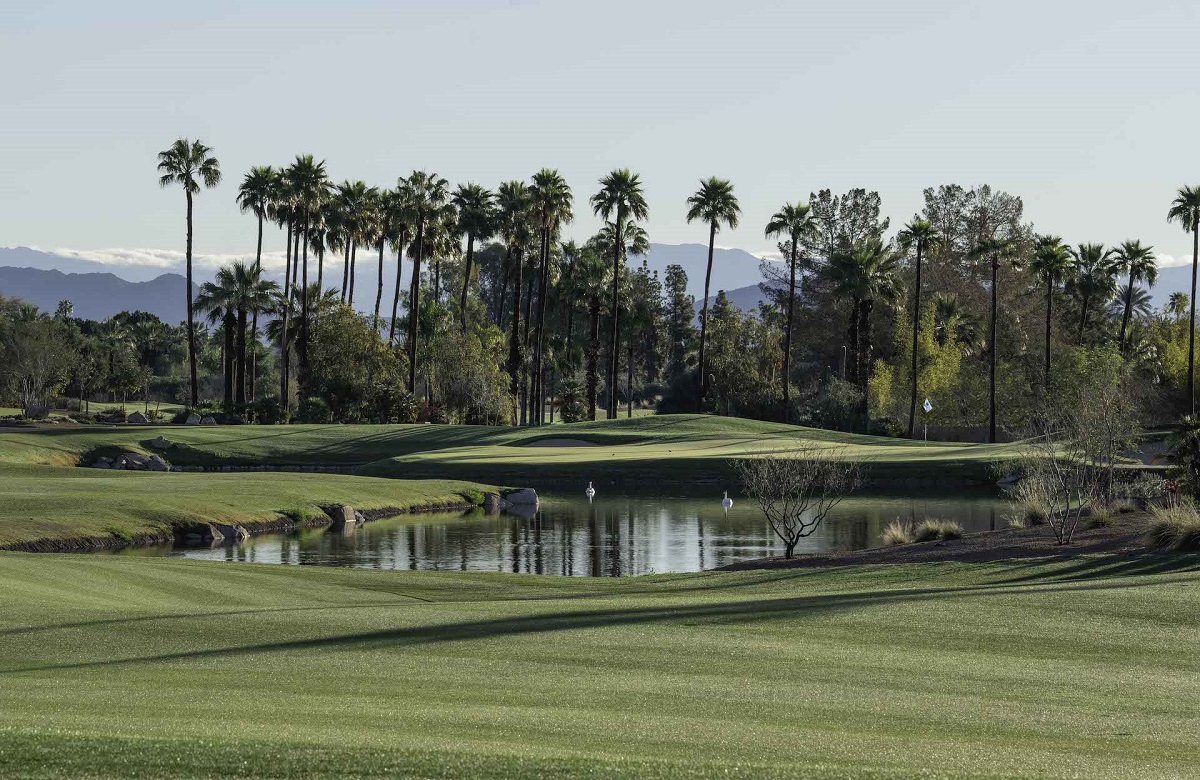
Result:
<point x="1100" y="516"/>
<point x="931" y="530"/>
<point x="1032" y="501"/>
<point x="897" y="532"/>
<point x="265" y="411"/>
<point x="314" y="410"/>
<point x="1122" y="506"/>
<point x="1175" y="526"/>
<point x="1017" y="521"/>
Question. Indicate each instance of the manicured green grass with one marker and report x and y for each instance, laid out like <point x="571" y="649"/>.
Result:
<point x="677" y="447"/>
<point x="114" y="667"/>
<point x="48" y="502"/>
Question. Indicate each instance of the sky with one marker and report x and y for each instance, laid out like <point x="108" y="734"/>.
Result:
<point x="1089" y="111"/>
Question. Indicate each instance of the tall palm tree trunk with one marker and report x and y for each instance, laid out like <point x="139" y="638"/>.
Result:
<point x="378" y="290"/>
<point x="1083" y="312"/>
<point x="191" y="321"/>
<point x="304" y="310"/>
<point x="1049" y="313"/>
<point x="239" y="388"/>
<point x="992" y="357"/>
<point x="345" y="271"/>
<point x="912" y="400"/>
<point x="414" y="308"/>
<point x="1128" y="311"/>
<point x="228" y="358"/>
<point x="396" y="294"/>
<point x="462" y="298"/>
<point x="629" y="380"/>
<point x="539" y="392"/>
<point x="864" y="363"/>
<point x="614" y="341"/>
<point x="320" y="252"/>
<point x="787" y="337"/>
<point x="712" y="237"/>
<point x="593" y="356"/>
<point x="514" y="342"/>
<point x="524" y="363"/>
<point x="284" y="357"/>
<point x="353" y="269"/>
<point x="1191" y="381"/>
<point x="254" y="320"/>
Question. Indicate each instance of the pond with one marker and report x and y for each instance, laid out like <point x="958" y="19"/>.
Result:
<point x="613" y="536"/>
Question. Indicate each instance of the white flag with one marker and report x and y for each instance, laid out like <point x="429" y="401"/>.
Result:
<point x="928" y="406"/>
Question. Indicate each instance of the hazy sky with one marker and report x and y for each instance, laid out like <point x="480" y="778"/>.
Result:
<point x="1089" y="111"/>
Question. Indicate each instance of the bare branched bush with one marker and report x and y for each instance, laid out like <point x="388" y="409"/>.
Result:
<point x="797" y="491"/>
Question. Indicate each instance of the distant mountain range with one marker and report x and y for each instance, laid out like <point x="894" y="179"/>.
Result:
<point x="99" y="290"/>
<point x="97" y="295"/>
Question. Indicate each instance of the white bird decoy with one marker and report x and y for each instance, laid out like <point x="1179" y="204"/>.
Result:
<point x="590" y="492"/>
<point x="727" y="503"/>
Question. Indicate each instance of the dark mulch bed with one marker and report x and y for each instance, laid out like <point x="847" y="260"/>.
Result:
<point x="1034" y="542"/>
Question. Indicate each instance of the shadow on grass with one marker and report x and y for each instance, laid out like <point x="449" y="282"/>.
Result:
<point x="723" y="612"/>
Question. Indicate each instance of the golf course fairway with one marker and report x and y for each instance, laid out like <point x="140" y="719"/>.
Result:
<point x="119" y="666"/>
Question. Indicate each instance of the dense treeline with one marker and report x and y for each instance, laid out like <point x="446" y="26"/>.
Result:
<point x="496" y="317"/>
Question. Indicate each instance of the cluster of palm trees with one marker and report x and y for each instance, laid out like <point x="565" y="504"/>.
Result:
<point x="423" y="218"/>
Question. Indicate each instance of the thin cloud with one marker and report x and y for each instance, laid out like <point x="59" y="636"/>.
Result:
<point x="165" y="259"/>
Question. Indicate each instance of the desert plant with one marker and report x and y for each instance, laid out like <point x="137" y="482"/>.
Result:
<point x="934" y="530"/>
<point x="797" y="491"/>
<point x="1175" y="526"/>
<point x="897" y="532"/>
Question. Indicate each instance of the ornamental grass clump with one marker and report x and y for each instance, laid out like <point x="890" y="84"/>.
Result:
<point x="1174" y="526"/>
<point x="937" y="530"/>
<point x="897" y="532"/>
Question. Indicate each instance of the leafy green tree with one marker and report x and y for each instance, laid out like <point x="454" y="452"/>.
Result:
<point x="1052" y="263"/>
<point x="353" y="371"/>
<point x="1186" y="211"/>
<point x="796" y="222"/>
<point x="1137" y="261"/>
<point x="191" y="165"/>
<point x="1094" y="280"/>
<point x="619" y="201"/>
<point x="917" y="236"/>
<point x="476" y="220"/>
<point x="680" y="312"/>
<point x="714" y="203"/>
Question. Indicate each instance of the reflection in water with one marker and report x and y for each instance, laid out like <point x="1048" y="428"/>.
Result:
<point x="608" y="537"/>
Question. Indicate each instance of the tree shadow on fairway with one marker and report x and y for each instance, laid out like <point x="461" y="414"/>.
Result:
<point x="727" y="612"/>
<point x="1105" y="567"/>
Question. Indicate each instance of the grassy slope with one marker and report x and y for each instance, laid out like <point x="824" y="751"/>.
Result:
<point x="45" y="502"/>
<point x="118" y="667"/>
<point x="677" y="446"/>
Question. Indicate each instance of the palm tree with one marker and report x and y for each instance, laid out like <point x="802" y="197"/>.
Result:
<point x="917" y="235"/>
<point x="355" y="199"/>
<point x="309" y="185"/>
<point x="1052" y="262"/>
<point x="425" y="195"/>
<point x="1138" y="261"/>
<point x="476" y="220"/>
<point x="513" y="213"/>
<point x="620" y="198"/>
<point x="381" y="225"/>
<point x="217" y="298"/>
<point x="863" y="275"/>
<point x="952" y="320"/>
<point x="1134" y="303"/>
<point x="246" y="292"/>
<point x="255" y="195"/>
<point x="591" y="279"/>
<point x="1186" y="211"/>
<point x="795" y="222"/>
<point x="712" y="204"/>
<point x="191" y="165"/>
<point x="1094" y="280"/>
<point x="995" y="250"/>
<point x="552" y="200"/>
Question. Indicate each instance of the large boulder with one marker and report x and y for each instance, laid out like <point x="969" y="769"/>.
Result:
<point x="137" y="418"/>
<point x="159" y="443"/>
<point x="522" y="497"/>
<point x="208" y="420"/>
<point x="103" y="463"/>
<point x="193" y="419"/>
<point x="156" y="463"/>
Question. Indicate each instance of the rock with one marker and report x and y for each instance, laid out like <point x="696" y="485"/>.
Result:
<point x="135" y="462"/>
<point x="343" y="517"/>
<point x="137" y="418"/>
<point x="156" y="463"/>
<point x="230" y="533"/>
<point x="193" y="419"/>
<point x="179" y="445"/>
<point x="522" y="497"/>
<point x="492" y="503"/>
<point x="208" y="419"/>
<point x="160" y="443"/>
<point x="102" y="463"/>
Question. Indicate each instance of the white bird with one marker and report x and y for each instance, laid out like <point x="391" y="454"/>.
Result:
<point x="727" y="502"/>
<point x="590" y="492"/>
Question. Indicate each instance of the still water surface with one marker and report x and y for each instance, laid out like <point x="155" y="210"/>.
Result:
<point x="613" y="536"/>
